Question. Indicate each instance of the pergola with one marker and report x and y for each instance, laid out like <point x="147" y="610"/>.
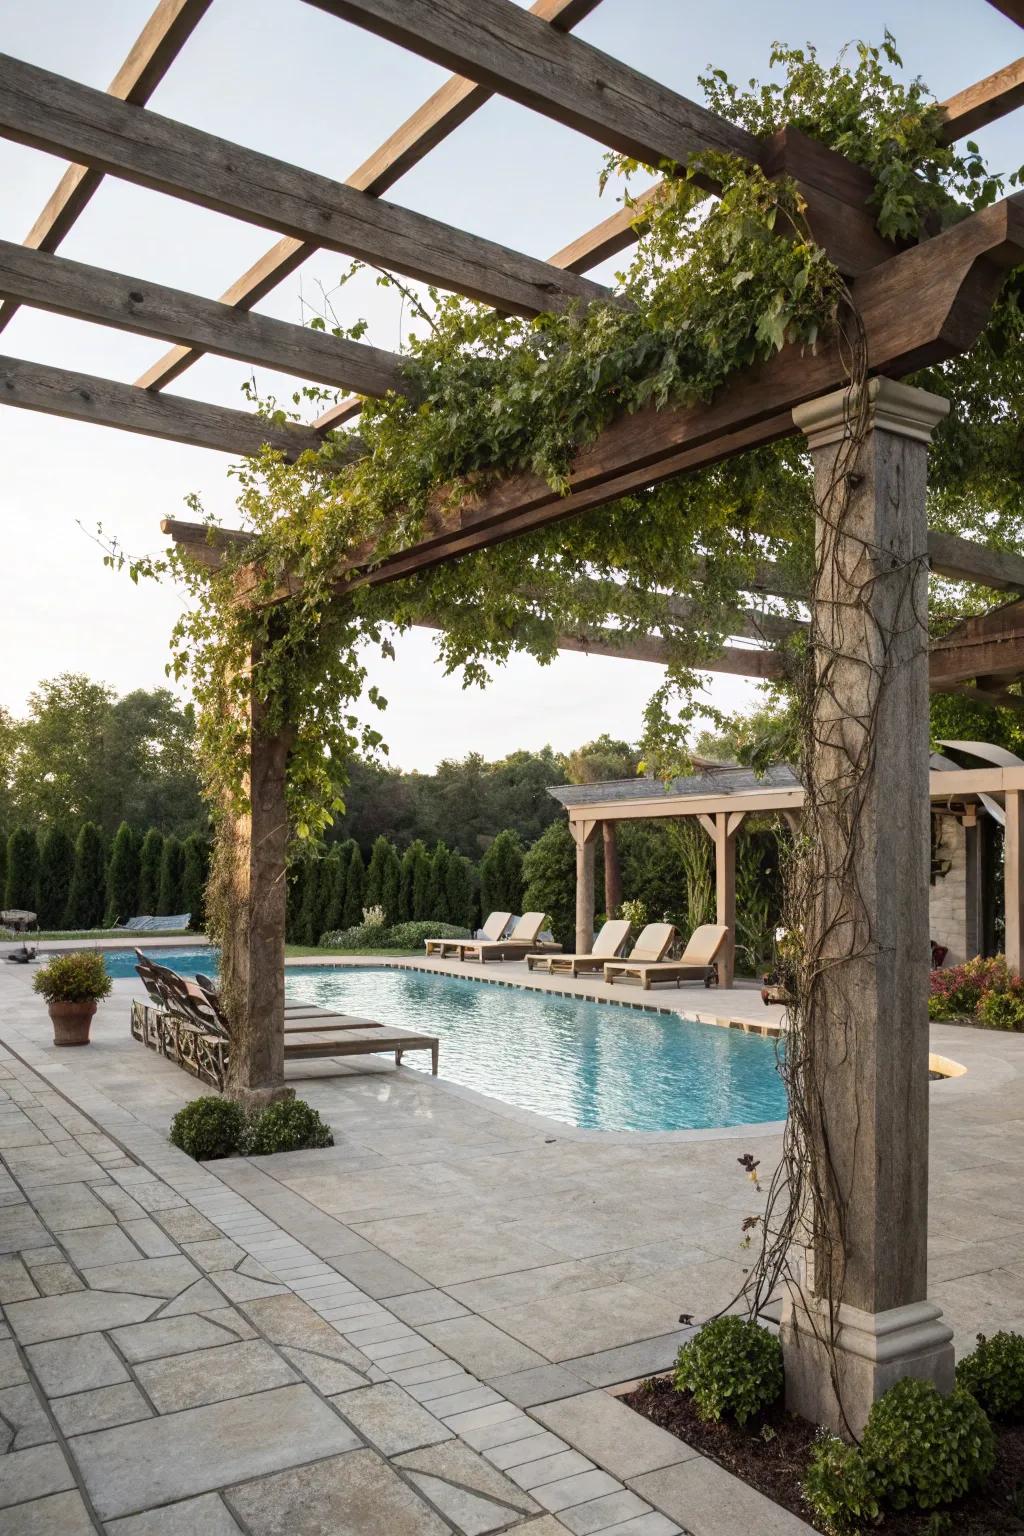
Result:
<point x="917" y="306"/>
<point x="721" y="797"/>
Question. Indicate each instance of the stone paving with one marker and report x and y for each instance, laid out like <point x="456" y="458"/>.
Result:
<point x="172" y="1360"/>
<point x="410" y="1331"/>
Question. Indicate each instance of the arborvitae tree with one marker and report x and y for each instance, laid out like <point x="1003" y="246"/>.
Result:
<point x="383" y="879"/>
<point x="88" y="896"/>
<point x="415" y="882"/>
<point x="355" y="879"/>
<point x="501" y="875"/>
<point x="459" y="891"/>
<point x="172" y="867"/>
<point x="334" y="894"/>
<point x="310" y="923"/>
<point x="297" y="873"/>
<point x="56" y="871"/>
<point x="150" y="858"/>
<point x="122" y="876"/>
<point x="549" y="869"/>
<point x="3" y="867"/>
<point x="194" y="875"/>
<point x="438" y="896"/>
<point x="21" y="890"/>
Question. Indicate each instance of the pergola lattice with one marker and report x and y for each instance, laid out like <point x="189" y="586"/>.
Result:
<point x="917" y="305"/>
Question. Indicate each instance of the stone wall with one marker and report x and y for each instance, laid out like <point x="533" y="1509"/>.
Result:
<point x="947" y="906"/>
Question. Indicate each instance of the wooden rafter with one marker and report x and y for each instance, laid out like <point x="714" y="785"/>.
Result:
<point x="447" y="109"/>
<point x="81" y="397"/>
<point x="985" y="102"/>
<point x="1012" y="9"/>
<point x="150" y="309"/>
<point x="513" y="53"/>
<point x="148" y="60"/>
<point x="923" y="305"/>
<point x="49" y="112"/>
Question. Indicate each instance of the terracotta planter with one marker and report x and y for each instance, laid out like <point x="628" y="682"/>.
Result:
<point x="71" y="1022"/>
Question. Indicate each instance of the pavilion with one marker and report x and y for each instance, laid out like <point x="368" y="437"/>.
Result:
<point x="967" y="803"/>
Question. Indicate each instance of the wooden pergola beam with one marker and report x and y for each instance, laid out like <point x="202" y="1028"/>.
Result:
<point x="82" y="397"/>
<point x="151" y="55"/>
<point x="1013" y="10"/>
<point x="132" y="304"/>
<point x="447" y="109"/>
<point x="924" y="305"/>
<point x="985" y="102"/>
<point x="516" y="55"/>
<point x="49" y="112"/>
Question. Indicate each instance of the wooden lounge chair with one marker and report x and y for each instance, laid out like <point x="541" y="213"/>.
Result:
<point x="606" y="946"/>
<point x="516" y="946"/>
<point x="697" y="962"/>
<point x="187" y="1024"/>
<point x="492" y="930"/>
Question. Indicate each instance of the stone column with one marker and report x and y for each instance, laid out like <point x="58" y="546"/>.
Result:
<point x="861" y="1320"/>
<point x="585" y="834"/>
<point x="612" y="868"/>
<point x="722" y="829"/>
<point x="1013" y="876"/>
<point x="253" y="961"/>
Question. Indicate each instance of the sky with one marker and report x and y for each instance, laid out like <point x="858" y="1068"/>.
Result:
<point x="283" y="77"/>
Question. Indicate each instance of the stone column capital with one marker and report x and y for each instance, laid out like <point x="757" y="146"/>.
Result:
<point x="897" y="408"/>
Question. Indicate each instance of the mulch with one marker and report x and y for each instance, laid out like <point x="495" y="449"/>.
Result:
<point x="772" y="1453"/>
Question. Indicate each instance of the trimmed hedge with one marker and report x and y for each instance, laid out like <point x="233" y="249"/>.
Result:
<point x="403" y="936"/>
<point x="212" y="1127"/>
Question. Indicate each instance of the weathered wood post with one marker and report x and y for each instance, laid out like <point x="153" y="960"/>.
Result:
<point x="1013" y="878"/>
<point x="722" y="829"/>
<point x="612" y="868"/>
<point x="584" y="833"/>
<point x="861" y="1320"/>
<point x="256" y="892"/>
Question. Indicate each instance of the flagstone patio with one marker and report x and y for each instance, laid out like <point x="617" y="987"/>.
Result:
<point x="410" y="1331"/>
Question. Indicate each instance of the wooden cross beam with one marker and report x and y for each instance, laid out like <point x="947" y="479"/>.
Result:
<point x="51" y="113"/>
<point x="428" y="126"/>
<point x="515" y="54"/>
<point x="151" y="55"/>
<point x="926" y="304"/>
<point x="150" y="309"/>
<point x="81" y="397"/>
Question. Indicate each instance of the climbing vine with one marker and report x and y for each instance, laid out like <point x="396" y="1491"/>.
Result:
<point x="713" y="286"/>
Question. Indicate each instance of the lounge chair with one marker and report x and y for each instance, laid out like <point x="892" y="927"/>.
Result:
<point x="697" y="962"/>
<point x="154" y="924"/>
<point x="522" y="939"/>
<point x="188" y="1025"/>
<point x="491" y="931"/>
<point x="606" y="946"/>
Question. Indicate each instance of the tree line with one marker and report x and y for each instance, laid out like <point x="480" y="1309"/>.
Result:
<point x="330" y="893"/>
<point x="84" y="882"/>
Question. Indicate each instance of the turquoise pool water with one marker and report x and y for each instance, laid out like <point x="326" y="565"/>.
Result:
<point x="593" y="1065"/>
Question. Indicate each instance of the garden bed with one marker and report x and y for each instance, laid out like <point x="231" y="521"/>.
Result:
<point x="771" y="1455"/>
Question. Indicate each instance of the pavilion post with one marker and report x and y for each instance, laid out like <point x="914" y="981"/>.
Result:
<point x="859" y="1320"/>
<point x="253" y="961"/>
<point x="722" y="829"/>
<point x="1013" y="876"/>
<point x="612" y="868"/>
<point x="584" y="833"/>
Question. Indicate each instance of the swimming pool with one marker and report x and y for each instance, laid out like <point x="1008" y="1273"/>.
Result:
<point x="592" y="1065"/>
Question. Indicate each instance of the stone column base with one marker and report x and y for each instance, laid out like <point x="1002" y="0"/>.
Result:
<point x="873" y="1350"/>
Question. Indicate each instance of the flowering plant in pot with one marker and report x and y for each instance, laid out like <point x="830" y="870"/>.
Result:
<point x="72" y="984"/>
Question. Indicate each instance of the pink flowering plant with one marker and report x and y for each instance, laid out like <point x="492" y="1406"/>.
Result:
<point x="983" y="990"/>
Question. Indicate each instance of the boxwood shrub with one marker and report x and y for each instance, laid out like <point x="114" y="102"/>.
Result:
<point x="290" y="1125"/>
<point x="208" y="1128"/>
<point x="919" y="1450"/>
<point x="733" y="1368"/>
<point x="408" y="936"/>
<point x="212" y="1127"/>
<point x="994" y="1374"/>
